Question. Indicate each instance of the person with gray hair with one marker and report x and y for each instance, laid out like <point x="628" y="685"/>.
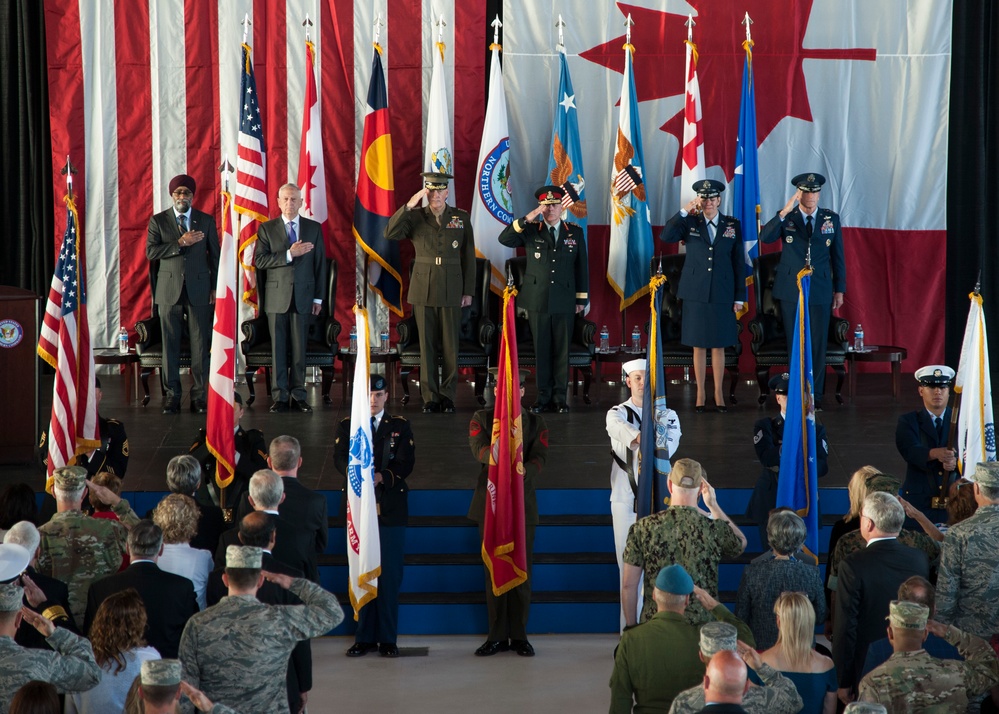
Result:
<point x="266" y="490"/>
<point x="764" y="580"/>
<point x="184" y="477"/>
<point x="967" y="586"/>
<point x="46" y="596"/>
<point x="868" y="581"/>
<point x="183" y="474"/>
<point x="169" y="598"/>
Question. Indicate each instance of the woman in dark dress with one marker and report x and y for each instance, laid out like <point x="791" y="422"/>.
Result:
<point x="712" y="284"/>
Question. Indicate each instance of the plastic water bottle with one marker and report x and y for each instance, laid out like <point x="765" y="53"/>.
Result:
<point x="123" y="341"/>
<point x="352" y="347"/>
<point x="604" y="339"/>
<point x="858" y="338"/>
<point x="384" y="340"/>
<point x="636" y="340"/>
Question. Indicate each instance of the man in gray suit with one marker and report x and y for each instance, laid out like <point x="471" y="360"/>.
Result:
<point x="290" y="249"/>
<point x="185" y="243"/>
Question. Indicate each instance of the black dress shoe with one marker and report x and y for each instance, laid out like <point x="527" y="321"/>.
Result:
<point x="447" y="406"/>
<point x="722" y="408"/>
<point x="279" y="407"/>
<point x="699" y="409"/>
<point x="388" y="650"/>
<point x="522" y="647"/>
<point x="539" y="407"/>
<point x="818" y="405"/>
<point x="359" y="649"/>
<point x="491" y="647"/>
<point x="171" y="408"/>
<point x="299" y="406"/>
<point x="561" y="408"/>
<point x="431" y="407"/>
<point x="198" y="406"/>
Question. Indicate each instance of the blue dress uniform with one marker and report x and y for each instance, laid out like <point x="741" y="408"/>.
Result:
<point x="556" y="281"/>
<point x="394" y="455"/>
<point x="828" y="263"/>
<point x="713" y="277"/>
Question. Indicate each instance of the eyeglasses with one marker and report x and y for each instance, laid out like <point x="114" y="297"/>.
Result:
<point x="182" y="192"/>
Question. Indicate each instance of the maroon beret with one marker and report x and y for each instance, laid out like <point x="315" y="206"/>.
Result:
<point x="182" y="180"/>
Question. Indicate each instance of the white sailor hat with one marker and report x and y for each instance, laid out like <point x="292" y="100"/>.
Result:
<point x="634" y="365"/>
<point x="934" y="375"/>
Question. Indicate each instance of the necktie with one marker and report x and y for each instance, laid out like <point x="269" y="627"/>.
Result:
<point x="553" y="233"/>
<point x="374" y="425"/>
<point x="938" y="423"/>
<point x="291" y="233"/>
<point x="808" y="226"/>
<point x="711" y="232"/>
<point x="182" y="223"/>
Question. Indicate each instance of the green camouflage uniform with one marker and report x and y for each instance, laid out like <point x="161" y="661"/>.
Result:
<point x="71" y="667"/>
<point x="779" y="696"/>
<point x="237" y="651"/>
<point x="681" y="535"/>
<point x="917" y="681"/>
<point x="968" y="585"/>
<point x="852" y="542"/>
<point x="78" y="550"/>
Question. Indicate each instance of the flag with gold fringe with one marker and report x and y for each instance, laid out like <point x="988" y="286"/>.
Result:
<point x="976" y="431"/>
<point x="654" y="466"/>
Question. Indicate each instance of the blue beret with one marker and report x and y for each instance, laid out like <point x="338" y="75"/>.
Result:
<point x="675" y="579"/>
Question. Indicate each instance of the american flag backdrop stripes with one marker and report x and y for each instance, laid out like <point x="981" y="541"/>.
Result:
<point x="65" y="344"/>
<point x="149" y="89"/>
<point x="251" y="175"/>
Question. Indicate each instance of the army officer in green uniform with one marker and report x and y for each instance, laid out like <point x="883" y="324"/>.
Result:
<point x="555" y="289"/>
<point x="442" y="283"/>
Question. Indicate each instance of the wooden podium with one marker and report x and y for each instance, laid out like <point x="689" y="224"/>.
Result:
<point x="19" y="425"/>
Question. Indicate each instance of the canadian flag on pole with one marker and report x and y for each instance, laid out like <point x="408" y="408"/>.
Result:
<point x="311" y="166"/>
<point x="692" y="151"/>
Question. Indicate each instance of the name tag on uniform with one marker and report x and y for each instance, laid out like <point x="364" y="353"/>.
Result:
<point x="456" y="222"/>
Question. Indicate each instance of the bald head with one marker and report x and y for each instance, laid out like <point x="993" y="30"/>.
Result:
<point x="725" y="680"/>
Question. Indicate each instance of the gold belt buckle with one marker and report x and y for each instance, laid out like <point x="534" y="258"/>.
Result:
<point x="438" y="260"/>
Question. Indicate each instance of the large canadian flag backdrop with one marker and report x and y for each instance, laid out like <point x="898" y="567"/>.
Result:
<point x="852" y="89"/>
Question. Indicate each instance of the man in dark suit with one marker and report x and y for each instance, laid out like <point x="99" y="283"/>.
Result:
<point x="294" y="543"/>
<point x="812" y="233"/>
<point x="169" y="598"/>
<point x="290" y="248"/>
<point x="508" y="612"/>
<point x="306" y="508"/>
<point x="768" y="438"/>
<point x="921" y="439"/>
<point x="257" y="530"/>
<point x="394" y="456"/>
<point x="556" y="287"/>
<point x="726" y="681"/>
<point x="443" y="282"/>
<point x="868" y="581"/>
<point x="186" y="244"/>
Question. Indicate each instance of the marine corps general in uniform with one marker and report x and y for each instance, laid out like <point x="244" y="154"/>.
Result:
<point x="556" y="287"/>
<point x="442" y="283"/>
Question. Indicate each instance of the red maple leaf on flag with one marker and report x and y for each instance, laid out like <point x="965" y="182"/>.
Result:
<point x="778" y="31"/>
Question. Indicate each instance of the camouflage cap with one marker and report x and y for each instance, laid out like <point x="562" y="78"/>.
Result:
<point x="718" y="636"/>
<point x="884" y="483"/>
<point x="865" y="708"/>
<point x="14" y="558"/>
<point x="987" y="474"/>
<point x="11" y="597"/>
<point x="243" y="556"/>
<point x="908" y="615"/>
<point x="161" y="672"/>
<point x="686" y="473"/>
<point x="70" y="478"/>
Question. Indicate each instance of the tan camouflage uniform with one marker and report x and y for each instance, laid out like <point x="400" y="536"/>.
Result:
<point x="852" y="542"/>
<point x="916" y="681"/>
<point x="237" y="651"/>
<point x="78" y="550"/>
<point x="779" y="696"/>
<point x="71" y="668"/>
<point x="684" y="536"/>
<point x="968" y="584"/>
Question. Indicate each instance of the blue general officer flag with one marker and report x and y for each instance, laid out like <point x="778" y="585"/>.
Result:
<point x="654" y="463"/>
<point x="746" y="183"/>
<point x="797" y="485"/>
<point x="565" y="160"/>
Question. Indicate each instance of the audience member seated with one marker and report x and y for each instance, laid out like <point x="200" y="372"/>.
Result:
<point x="36" y="697"/>
<point x="184" y="477"/>
<point x="158" y="689"/>
<point x="120" y="649"/>
<point x="17" y="503"/>
<point x="961" y="503"/>
<point x="52" y="601"/>
<point x="725" y="684"/>
<point x="103" y="510"/>
<point x="764" y="580"/>
<point x="169" y="598"/>
<point x="793" y="656"/>
<point x="177" y="516"/>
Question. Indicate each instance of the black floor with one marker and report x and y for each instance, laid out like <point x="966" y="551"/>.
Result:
<point x="859" y="433"/>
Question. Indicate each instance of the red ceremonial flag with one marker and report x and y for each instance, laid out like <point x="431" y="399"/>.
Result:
<point x="692" y="153"/>
<point x="65" y="345"/>
<point x="220" y="437"/>
<point x="251" y="175"/>
<point x="311" y="165"/>
<point x="504" y="546"/>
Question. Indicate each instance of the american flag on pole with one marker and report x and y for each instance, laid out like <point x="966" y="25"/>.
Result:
<point x="311" y="164"/>
<point x="251" y="176"/>
<point x="65" y="345"/>
<point x="220" y="438"/>
<point x="692" y="151"/>
<point x="364" y="559"/>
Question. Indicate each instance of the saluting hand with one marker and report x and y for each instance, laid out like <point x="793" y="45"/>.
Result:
<point x="534" y="214"/>
<point x="417" y="198"/>
<point x="791" y="202"/>
<point x="43" y="624"/>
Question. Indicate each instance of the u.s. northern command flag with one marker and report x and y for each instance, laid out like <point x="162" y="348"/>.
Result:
<point x="375" y="202"/>
<point x="364" y="562"/>
<point x="504" y="548"/>
<point x="798" y="482"/>
<point x="976" y="431"/>
<point x="492" y="202"/>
